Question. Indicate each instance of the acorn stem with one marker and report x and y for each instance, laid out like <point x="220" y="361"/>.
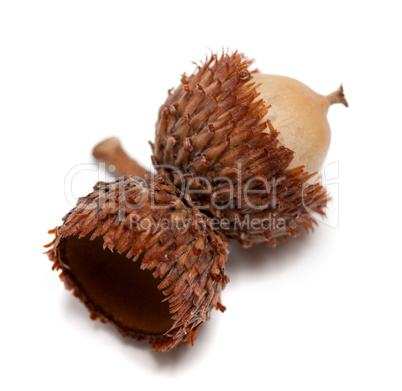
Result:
<point x="111" y="152"/>
<point x="337" y="97"/>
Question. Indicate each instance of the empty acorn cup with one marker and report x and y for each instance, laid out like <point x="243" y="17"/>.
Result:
<point x="138" y="257"/>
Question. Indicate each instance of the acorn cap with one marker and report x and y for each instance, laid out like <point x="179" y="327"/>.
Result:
<point x="209" y="133"/>
<point x="138" y="257"/>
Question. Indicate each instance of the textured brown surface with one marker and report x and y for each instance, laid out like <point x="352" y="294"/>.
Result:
<point x="210" y="127"/>
<point x="186" y="262"/>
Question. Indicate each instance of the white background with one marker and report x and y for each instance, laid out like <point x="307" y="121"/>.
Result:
<point x="322" y="312"/>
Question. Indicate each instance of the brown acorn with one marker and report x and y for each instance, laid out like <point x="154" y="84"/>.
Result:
<point x="139" y="257"/>
<point x="300" y="114"/>
<point x="214" y="140"/>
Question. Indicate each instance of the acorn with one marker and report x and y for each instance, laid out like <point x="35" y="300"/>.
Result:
<point x="215" y="140"/>
<point x="300" y="115"/>
<point x="139" y="257"/>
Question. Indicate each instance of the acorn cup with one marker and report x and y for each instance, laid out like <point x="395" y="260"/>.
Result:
<point x="139" y="257"/>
